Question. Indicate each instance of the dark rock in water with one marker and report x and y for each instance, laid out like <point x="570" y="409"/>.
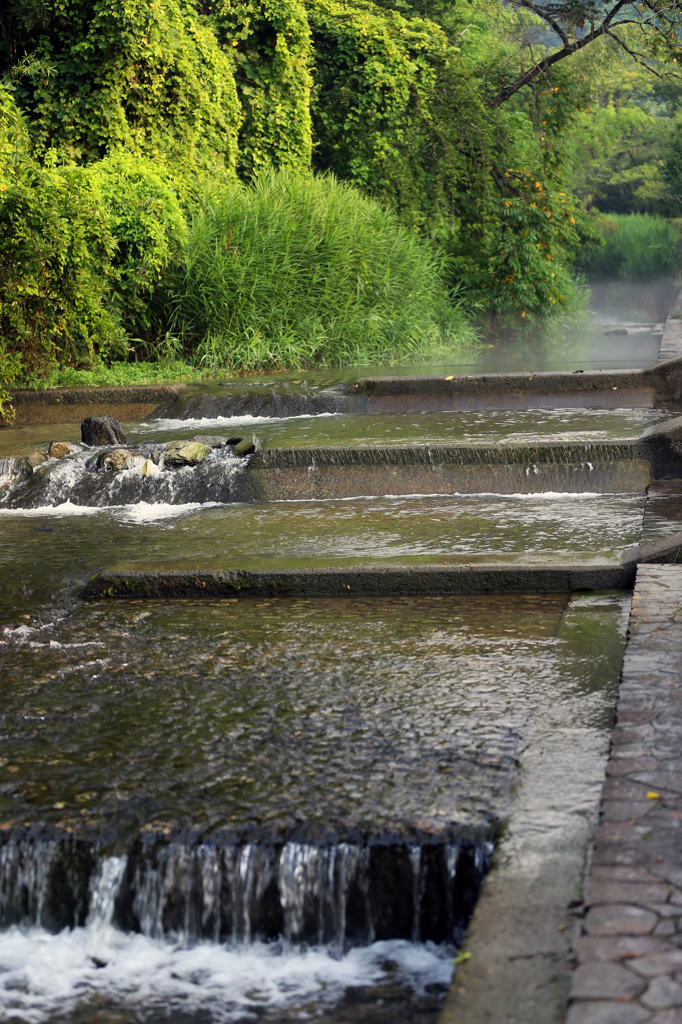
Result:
<point x="234" y="440"/>
<point x="210" y="441"/>
<point x="246" y="446"/>
<point x="185" y="453"/>
<point x="99" y="430"/>
<point x="619" y="332"/>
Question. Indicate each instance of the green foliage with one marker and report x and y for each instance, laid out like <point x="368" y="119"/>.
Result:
<point x="82" y="249"/>
<point x="270" y="42"/>
<point x="148" y="226"/>
<point x="517" y="260"/>
<point x="617" y="140"/>
<point x="141" y="75"/>
<point x="671" y="171"/>
<point x="385" y="106"/>
<point x="636" y="247"/>
<point x="119" y="373"/>
<point x="296" y="271"/>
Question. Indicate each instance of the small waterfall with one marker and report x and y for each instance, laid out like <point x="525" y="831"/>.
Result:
<point x="83" y="478"/>
<point x="340" y="895"/>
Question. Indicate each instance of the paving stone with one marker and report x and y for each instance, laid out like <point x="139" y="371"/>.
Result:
<point x="662" y="781"/>
<point x="619" y="947"/>
<point x="662" y="993"/>
<point x="631" y="750"/>
<point x="619" y="919"/>
<point x="625" y="789"/>
<point x="605" y="981"/>
<point x="663" y="909"/>
<point x="612" y="854"/>
<point x="632" y="734"/>
<point x="658" y="963"/>
<point x="627" y="892"/>
<point x="606" y="1013"/>
<point x="626" y="765"/>
<point x="619" y="832"/>
<point x="617" y="873"/>
<point x="666" y="1017"/>
<point x="624" y="810"/>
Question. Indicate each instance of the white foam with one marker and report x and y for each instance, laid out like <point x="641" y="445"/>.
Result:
<point x="497" y="495"/>
<point x="151" y="512"/>
<point x="43" y="974"/>
<point x="65" y="509"/>
<point x="226" y="421"/>
<point x="140" y="512"/>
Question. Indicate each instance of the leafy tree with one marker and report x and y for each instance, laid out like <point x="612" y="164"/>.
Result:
<point x="575" y="24"/>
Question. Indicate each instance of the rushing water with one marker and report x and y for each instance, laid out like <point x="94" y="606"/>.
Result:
<point x="341" y="429"/>
<point x="71" y="543"/>
<point x="268" y="810"/>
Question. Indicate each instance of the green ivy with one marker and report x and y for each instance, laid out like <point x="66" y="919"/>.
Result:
<point x="385" y="105"/>
<point x="148" y="226"/>
<point x="270" y="41"/>
<point x="146" y="76"/>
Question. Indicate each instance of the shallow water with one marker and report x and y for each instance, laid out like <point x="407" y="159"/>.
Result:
<point x="519" y="427"/>
<point x="64" y="546"/>
<point x="278" y="718"/>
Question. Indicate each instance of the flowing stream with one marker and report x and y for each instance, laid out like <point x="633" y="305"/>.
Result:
<point x="279" y="810"/>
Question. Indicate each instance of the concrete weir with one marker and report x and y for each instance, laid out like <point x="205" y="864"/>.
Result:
<point x="505" y="468"/>
<point x="369" y="581"/>
<point x="604" y="389"/>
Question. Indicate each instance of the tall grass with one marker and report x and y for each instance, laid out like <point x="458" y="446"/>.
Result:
<point x="636" y="247"/>
<point x="295" y="270"/>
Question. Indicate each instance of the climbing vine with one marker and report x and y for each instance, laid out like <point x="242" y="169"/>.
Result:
<point x="146" y="76"/>
<point x="270" y="42"/>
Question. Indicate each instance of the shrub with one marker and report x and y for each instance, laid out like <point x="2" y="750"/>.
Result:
<point x="297" y="270"/>
<point x="81" y="251"/>
<point x="148" y="226"/>
<point x="636" y="247"/>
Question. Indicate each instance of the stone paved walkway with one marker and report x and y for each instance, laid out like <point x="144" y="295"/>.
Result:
<point x="630" y="953"/>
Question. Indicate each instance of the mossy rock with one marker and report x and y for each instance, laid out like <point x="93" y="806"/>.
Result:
<point x="185" y="453"/>
<point x="117" y="461"/>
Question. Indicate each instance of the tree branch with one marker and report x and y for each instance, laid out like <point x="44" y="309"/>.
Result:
<point x="567" y="50"/>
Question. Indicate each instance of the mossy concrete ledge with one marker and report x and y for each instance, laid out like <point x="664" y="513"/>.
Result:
<point x="608" y="389"/>
<point x="70" y="405"/>
<point x="365" y="581"/>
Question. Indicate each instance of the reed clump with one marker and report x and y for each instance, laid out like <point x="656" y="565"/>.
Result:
<point x="635" y="247"/>
<point x="296" y="270"/>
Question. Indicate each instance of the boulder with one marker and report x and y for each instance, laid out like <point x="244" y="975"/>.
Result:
<point x="247" y="446"/>
<point x="100" y="430"/>
<point x="58" y="449"/>
<point x="185" y="453"/>
<point x="117" y="461"/>
<point x="36" y="458"/>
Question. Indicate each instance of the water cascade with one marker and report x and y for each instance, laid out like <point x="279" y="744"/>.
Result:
<point x="342" y="895"/>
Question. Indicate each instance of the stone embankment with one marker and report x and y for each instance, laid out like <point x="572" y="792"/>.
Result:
<point x="630" y="952"/>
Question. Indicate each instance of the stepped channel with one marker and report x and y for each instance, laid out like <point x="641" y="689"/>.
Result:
<point x="245" y="808"/>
